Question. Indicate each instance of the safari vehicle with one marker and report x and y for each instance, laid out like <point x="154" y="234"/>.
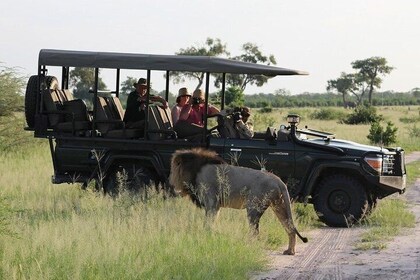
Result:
<point x="342" y="179"/>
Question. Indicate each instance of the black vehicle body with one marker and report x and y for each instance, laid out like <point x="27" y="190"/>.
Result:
<point x="343" y="179"/>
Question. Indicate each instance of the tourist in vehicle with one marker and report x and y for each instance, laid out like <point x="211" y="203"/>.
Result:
<point x="135" y="115"/>
<point x="191" y="118"/>
<point x="182" y="99"/>
<point x="238" y="125"/>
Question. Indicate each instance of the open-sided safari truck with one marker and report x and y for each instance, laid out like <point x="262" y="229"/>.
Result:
<point x="342" y="179"/>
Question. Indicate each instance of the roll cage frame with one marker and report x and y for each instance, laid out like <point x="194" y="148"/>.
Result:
<point x="149" y="62"/>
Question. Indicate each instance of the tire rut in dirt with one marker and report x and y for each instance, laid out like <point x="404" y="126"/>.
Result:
<point x="324" y="248"/>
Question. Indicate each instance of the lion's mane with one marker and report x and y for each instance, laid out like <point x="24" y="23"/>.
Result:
<point x="185" y="165"/>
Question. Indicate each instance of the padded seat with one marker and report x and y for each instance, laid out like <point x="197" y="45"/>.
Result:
<point x="108" y="118"/>
<point x="160" y="123"/>
<point x="65" y="114"/>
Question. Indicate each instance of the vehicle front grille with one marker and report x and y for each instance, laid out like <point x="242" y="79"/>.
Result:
<point x="388" y="164"/>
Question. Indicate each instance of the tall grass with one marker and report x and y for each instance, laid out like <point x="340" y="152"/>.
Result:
<point x="63" y="232"/>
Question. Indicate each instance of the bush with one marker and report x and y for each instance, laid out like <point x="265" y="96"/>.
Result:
<point x="266" y="110"/>
<point x="11" y="85"/>
<point x="261" y="121"/>
<point x="414" y="131"/>
<point x="327" y="114"/>
<point x="410" y="119"/>
<point x="363" y="115"/>
<point x="377" y="134"/>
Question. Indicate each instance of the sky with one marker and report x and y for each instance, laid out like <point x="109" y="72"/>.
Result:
<point x="321" y="37"/>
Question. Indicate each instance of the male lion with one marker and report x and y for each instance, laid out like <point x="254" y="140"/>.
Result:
<point x="212" y="183"/>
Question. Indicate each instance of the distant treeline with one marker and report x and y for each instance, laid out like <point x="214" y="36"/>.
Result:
<point x="327" y="99"/>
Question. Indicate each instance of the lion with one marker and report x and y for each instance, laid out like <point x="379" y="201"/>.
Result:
<point x="211" y="183"/>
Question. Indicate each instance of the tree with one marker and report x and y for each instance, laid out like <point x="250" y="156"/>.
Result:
<point x="345" y="84"/>
<point x="82" y="79"/>
<point x="234" y="97"/>
<point x="11" y="85"/>
<point x="212" y="47"/>
<point x="379" y="135"/>
<point x="369" y="71"/>
<point x="251" y="54"/>
<point x="282" y="92"/>
<point x="415" y="92"/>
<point x="127" y="86"/>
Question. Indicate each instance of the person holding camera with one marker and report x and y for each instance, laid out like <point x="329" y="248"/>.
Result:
<point x="237" y="124"/>
<point x="191" y="118"/>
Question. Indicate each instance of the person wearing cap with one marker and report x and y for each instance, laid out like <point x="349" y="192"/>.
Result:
<point x="135" y="114"/>
<point x="237" y="124"/>
<point x="191" y="118"/>
<point x="182" y="99"/>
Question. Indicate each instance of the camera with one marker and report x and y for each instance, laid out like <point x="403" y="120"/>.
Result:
<point x="196" y="100"/>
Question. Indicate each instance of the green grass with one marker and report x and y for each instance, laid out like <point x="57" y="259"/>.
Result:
<point x="386" y="222"/>
<point x="390" y="217"/>
<point x="413" y="172"/>
<point x="63" y="232"/>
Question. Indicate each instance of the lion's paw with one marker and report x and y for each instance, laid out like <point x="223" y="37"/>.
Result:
<point x="289" y="252"/>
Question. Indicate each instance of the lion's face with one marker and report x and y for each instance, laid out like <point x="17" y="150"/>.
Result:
<point x="185" y="165"/>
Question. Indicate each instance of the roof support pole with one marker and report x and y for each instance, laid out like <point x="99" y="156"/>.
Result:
<point x="167" y="86"/>
<point x="117" y="86"/>
<point x="65" y="77"/>
<point x="95" y="100"/>
<point x="146" y="121"/>
<point x="222" y="101"/>
<point x="206" y="103"/>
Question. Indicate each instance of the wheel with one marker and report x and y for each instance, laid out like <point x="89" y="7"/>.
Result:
<point x="340" y="201"/>
<point x="48" y="82"/>
<point x="128" y="177"/>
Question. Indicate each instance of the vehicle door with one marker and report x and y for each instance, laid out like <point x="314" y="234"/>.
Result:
<point x="272" y="155"/>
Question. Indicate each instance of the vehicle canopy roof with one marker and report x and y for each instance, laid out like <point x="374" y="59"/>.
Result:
<point x="186" y="63"/>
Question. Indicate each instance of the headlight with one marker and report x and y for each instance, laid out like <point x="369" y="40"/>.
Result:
<point x="374" y="162"/>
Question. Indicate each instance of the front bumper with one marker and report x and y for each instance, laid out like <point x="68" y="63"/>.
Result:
<point x="398" y="183"/>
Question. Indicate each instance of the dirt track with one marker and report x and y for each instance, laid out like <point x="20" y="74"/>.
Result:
<point x="330" y="252"/>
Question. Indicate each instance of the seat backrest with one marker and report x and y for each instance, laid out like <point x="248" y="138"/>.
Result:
<point x="102" y="115"/>
<point x="76" y="110"/>
<point x="52" y="103"/>
<point x="115" y="107"/>
<point x="64" y="95"/>
<point x="270" y="134"/>
<point x="160" y="119"/>
<point x="228" y="129"/>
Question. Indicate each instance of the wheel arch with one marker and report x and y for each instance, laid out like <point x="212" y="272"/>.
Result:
<point x="152" y="163"/>
<point x="323" y="170"/>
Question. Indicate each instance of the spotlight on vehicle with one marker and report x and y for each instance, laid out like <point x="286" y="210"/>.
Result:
<point x="293" y="119"/>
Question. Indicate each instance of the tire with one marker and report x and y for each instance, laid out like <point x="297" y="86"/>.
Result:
<point x="48" y="82"/>
<point x="340" y="201"/>
<point x="128" y="177"/>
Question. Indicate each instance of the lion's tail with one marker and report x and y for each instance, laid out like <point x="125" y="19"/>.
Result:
<point x="288" y="203"/>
